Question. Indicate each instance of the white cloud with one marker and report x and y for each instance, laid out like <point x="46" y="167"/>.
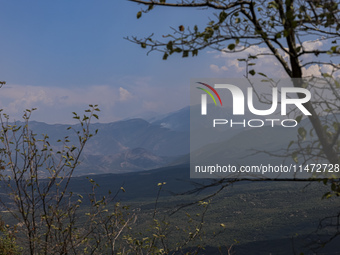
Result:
<point x="237" y="65"/>
<point x="312" y="45"/>
<point x="218" y="69"/>
<point x="127" y="97"/>
<point x="214" y="68"/>
<point x="313" y="70"/>
<point x="54" y="104"/>
<point x="317" y="70"/>
<point x="227" y="63"/>
<point x="124" y="95"/>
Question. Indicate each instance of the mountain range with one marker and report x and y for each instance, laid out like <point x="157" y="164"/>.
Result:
<point x="127" y="145"/>
<point x="137" y="144"/>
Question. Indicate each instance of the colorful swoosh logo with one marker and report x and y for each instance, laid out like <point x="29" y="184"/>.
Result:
<point x="209" y="93"/>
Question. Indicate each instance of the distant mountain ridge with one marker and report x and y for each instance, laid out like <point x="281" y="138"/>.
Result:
<point x="137" y="144"/>
<point x="126" y="145"/>
<point x="178" y="120"/>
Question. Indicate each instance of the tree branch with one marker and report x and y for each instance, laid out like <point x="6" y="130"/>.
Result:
<point x="194" y="5"/>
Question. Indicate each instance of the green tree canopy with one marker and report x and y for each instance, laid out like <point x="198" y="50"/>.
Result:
<point x="285" y="28"/>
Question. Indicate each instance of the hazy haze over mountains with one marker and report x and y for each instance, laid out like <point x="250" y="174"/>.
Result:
<point x="138" y="144"/>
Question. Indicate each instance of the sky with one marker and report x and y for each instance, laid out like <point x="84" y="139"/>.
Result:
<point x="60" y="56"/>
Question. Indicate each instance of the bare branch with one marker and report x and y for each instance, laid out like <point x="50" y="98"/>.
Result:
<point x="212" y="4"/>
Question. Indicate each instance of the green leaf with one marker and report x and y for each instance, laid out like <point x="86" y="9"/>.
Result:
<point x="327" y="194"/>
<point x="290" y="144"/>
<point x="252" y="57"/>
<point x="295" y="156"/>
<point x="139" y="14"/>
<point x="231" y="46"/>
<point x="302" y="132"/>
<point x="165" y="56"/>
<point x="169" y="46"/>
<point x="298" y="118"/>
<point x="285" y="33"/>
<point x="185" y="54"/>
<point x="334" y="49"/>
<point x="222" y="16"/>
<point x="337" y="84"/>
<point x="273" y="5"/>
<point x="252" y="72"/>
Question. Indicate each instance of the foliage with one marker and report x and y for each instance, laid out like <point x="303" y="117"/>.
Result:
<point x="48" y="218"/>
<point x="165" y="237"/>
<point x="297" y="34"/>
<point x="285" y="28"/>
<point x="91" y="223"/>
<point x="36" y="178"/>
<point x="8" y="244"/>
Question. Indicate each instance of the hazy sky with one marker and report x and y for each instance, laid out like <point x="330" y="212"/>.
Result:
<point x="61" y="55"/>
